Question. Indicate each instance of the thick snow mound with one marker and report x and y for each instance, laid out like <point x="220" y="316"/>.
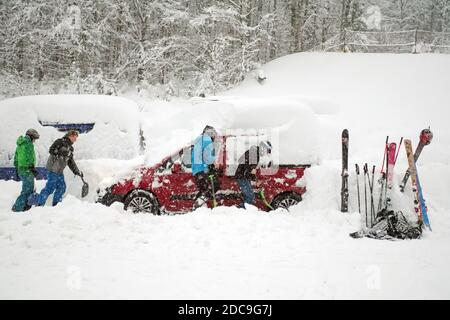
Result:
<point x="378" y="94"/>
<point x="167" y="127"/>
<point x="115" y="133"/>
<point x="317" y="104"/>
<point x="289" y="124"/>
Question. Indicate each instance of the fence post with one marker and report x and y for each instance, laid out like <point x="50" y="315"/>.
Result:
<point x="344" y="40"/>
<point x="415" y="41"/>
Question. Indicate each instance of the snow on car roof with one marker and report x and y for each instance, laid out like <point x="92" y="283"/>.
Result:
<point x="72" y="108"/>
<point x="290" y="124"/>
<point x="114" y="124"/>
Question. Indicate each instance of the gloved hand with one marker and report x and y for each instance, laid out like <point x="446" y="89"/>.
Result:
<point x="80" y="173"/>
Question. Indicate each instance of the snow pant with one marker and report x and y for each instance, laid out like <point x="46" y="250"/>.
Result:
<point x="21" y="203"/>
<point x="247" y="192"/>
<point x="55" y="184"/>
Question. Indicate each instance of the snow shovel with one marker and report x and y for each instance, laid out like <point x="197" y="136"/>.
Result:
<point x="211" y="179"/>
<point x="85" y="188"/>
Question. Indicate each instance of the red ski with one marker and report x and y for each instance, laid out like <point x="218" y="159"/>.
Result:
<point x="391" y="155"/>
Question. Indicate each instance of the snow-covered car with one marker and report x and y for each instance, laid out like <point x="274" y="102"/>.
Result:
<point x="109" y="127"/>
<point x="169" y="186"/>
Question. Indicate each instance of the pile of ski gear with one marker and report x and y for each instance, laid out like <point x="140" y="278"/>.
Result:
<point x="390" y="225"/>
<point x="383" y="223"/>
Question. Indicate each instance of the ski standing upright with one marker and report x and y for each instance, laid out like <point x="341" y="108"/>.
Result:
<point x="344" y="187"/>
<point x="419" y="202"/>
<point x="391" y="154"/>
<point x="357" y="186"/>
<point x="426" y="136"/>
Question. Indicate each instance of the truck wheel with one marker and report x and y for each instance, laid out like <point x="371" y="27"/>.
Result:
<point x="286" y="200"/>
<point x="141" y="201"/>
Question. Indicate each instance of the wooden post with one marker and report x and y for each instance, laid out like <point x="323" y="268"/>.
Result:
<point x="344" y="44"/>
<point x="415" y="41"/>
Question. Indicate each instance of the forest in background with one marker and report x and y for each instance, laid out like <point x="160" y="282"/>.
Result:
<point x="186" y="48"/>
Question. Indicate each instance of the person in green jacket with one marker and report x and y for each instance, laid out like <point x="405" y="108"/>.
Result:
<point x="24" y="162"/>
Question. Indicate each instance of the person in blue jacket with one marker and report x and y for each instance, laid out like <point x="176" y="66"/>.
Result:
<point x="203" y="157"/>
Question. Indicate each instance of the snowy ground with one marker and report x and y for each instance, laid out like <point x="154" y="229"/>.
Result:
<point x="85" y="250"/>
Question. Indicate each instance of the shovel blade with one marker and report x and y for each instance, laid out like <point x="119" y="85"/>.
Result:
<point x="84" y="190"/>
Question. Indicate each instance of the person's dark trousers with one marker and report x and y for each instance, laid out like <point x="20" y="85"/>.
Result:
<point x="247" y="192"/>
<point x="55" y="184"/>
<point x="27" y="190"/>
<point x="203" y="186"/>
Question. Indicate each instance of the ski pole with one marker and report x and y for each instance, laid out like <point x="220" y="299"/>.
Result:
<point x="371" y="198"/>
<point x="357" y="186"/>
<point x="383" y="176"/>
<point x="365" y="190"/>
<point x="398" y="151"/>
<point x="387" y="177"/>
<point x="211" y="179"/>
<point x="385" y="151"/>
<point x="380" y="199"/>
<point x="366" y="175"/>
<point x="369" y="204"/>
<point x="372" y="209"/>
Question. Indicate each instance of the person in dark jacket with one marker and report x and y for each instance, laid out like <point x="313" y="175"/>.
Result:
<point x="61" y="155"/>
<point x="246" y="170"/>
<point x="25" y="162"/>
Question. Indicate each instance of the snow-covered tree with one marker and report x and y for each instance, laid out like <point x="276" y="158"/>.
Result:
<point x="187" y="47"/>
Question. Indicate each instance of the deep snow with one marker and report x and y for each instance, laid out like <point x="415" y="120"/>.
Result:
<point x="115" y="133"/>
<point x="84" y="250"/>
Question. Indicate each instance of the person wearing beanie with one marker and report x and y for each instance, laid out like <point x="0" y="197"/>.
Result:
<point x="246" y="170"/>
<point x="203" y="157"/>
<point x="25" y="162"/>
<point x="61" y="155"/>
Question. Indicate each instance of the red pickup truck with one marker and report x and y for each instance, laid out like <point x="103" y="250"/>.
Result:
<point x="169" y="187"/>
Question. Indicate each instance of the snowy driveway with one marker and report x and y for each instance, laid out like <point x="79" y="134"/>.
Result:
<point x="85" y="250"/>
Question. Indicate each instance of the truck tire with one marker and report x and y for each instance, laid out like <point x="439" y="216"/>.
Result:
<point x="286" y="200"/>
<point x="141" y="201"/>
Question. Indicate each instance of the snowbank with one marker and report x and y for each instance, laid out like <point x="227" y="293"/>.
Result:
<point x="81" y="250"/>
<point x="377" y="95"/>
<point x="115" y="133"/>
